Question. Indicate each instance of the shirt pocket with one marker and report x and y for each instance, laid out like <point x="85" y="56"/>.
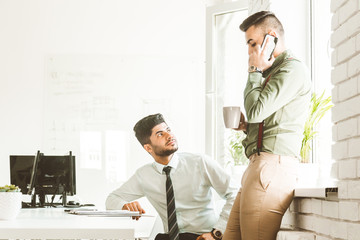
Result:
<point x="267" y="174"/>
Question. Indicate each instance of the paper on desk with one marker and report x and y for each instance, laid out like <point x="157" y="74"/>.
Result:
<point x="107" y="213"/>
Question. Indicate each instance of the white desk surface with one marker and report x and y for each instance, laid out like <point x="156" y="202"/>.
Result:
<point x="54" y="223"/>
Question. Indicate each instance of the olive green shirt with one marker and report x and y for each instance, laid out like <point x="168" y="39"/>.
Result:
<point x="283" y="104"/>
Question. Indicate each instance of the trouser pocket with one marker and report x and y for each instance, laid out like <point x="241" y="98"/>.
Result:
<point x="267" y="174"/>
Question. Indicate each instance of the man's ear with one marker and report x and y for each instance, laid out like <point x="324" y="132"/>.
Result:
<point x="273" y="33"/>
<point x="148" y="148"/>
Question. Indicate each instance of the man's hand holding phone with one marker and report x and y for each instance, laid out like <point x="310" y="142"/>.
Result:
<point x="268" y="46"/>
<point x="262" y="57"/>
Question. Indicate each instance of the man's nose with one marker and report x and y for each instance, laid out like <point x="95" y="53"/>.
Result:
<point x="169" y="135"/>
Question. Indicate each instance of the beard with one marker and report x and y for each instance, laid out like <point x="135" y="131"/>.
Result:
<point x="161" y="152"/>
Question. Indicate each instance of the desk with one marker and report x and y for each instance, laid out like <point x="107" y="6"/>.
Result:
<point x="54" y="223"/>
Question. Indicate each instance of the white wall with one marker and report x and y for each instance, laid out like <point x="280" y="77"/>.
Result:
<point x="31" y="31"/>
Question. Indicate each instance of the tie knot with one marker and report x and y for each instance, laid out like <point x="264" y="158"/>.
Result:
<point x="167" y="170"/>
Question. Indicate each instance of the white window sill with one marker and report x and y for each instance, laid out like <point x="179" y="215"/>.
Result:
<point x="328" y="193"/>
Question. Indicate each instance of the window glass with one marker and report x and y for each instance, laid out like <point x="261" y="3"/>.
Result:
<point x="321" y="31"/>
<point x="231" y="72"/>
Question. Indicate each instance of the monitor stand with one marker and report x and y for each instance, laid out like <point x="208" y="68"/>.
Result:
<point x="33" y="203"/>
<point x="41" y="195"/>
<point x="64" y="198"/>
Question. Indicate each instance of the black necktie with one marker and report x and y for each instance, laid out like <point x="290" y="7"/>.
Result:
<point x="171" y="210"/>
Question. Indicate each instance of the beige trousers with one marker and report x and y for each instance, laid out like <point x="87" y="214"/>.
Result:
<point x="267" y="189"/>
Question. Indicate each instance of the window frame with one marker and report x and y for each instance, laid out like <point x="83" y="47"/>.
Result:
<point x="210" y="72"/>
<point x="308" y="33"/>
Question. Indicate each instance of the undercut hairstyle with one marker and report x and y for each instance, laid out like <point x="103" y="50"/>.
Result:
<point x="265" y="20"/>
<point x="143" y="128"/>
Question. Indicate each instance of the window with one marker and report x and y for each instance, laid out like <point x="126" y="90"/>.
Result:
<point x="225" y="65"/>
<point x="307" y="35"/>
<point x="321" y="74"/>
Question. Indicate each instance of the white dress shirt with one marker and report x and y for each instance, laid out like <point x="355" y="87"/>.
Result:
<point x="192" y="177"/>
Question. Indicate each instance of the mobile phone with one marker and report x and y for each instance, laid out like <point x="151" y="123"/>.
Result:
<point x="271" y="45"/>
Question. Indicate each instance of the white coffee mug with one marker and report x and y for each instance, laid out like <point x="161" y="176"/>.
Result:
<point x="232" y="116"/>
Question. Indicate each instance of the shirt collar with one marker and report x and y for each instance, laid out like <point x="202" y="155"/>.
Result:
<point x="173" y="163"/>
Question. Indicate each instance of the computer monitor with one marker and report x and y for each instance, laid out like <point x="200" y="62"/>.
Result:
<point x="57" y="176"/>
<point x="20" y="171"/>
<point x="46" y="174"/>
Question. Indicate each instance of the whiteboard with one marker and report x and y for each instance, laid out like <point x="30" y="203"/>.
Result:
<point x="92" y="102"/>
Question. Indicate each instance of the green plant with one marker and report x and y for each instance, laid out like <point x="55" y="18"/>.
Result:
<point x="236" y="149"/>
<point x="318" y="107"/>
<point x="9" y="188"/>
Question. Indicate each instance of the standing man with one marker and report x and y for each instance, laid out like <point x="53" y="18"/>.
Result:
<point x="276" y="97"/>
<point x="178" y="185"/>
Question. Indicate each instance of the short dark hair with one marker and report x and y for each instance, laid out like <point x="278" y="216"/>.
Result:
<point x="264" y="19"/>
<point x="143" y="128"/>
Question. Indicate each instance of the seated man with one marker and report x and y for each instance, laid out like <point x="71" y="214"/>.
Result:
<point x="184" y="176"/>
